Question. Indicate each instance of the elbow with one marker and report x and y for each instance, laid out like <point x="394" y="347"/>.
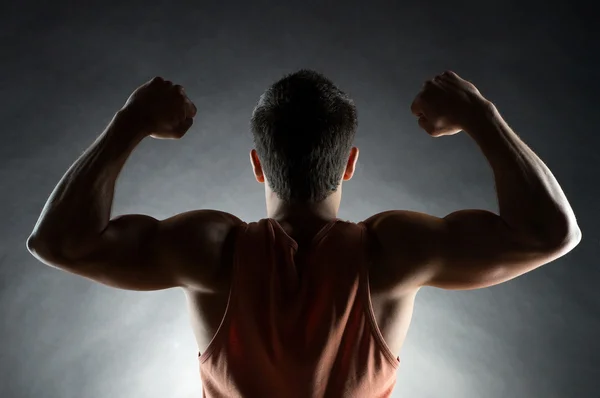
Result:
<point x="557" y="238"/>
<point x="42" y="249"/>
<point x="33" y="244"/>
<point x="561" y="233"/>
<point x="567" y="241"/>
<point x="573" y="238"/>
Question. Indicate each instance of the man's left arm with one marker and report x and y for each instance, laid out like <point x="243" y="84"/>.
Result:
<point x="75" y="231"/>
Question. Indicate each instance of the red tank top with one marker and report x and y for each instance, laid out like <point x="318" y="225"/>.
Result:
<point x="299" y="330"/>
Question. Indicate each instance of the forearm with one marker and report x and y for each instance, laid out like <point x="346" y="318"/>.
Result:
<point x="530" y="199"/>
<point x="79" y="207"/>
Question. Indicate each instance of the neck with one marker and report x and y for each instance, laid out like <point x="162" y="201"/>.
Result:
<point x="325" y="210"/>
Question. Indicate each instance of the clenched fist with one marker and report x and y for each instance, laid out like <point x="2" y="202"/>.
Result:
<point x="161" y="109"/>
<point x="448" y="104"/>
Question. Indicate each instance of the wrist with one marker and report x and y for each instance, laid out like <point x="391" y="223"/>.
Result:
<point x="129" y="124"/>
<point x="483" y="118"/>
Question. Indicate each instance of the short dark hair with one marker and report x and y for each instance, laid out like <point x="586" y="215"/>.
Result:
<point x="303" y="128"/>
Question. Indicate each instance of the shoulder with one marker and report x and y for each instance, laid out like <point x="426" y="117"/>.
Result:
<point x="199" y="241"/>
<point x="199" y="226"/>
<point x="401" y="245"/>
<point x="398" y="228"/>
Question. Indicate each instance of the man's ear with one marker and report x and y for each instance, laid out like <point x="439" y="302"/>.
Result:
<point x="351" y="165"/>
<point x="256" y="166"/>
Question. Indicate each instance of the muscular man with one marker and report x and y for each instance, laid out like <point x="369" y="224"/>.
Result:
<point x="303" y="304"/>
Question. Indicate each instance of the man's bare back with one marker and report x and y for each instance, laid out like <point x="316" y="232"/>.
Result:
<point x="467" y="249"/>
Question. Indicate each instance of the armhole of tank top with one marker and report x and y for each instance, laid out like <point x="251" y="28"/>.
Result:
<point x="368" y="304"/>
<point x="239" y="233"/>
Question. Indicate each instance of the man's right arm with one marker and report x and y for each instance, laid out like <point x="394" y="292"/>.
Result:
<point x="472" y="249"/>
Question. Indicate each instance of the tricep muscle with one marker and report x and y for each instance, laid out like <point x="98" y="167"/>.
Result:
<point x="468" y="249"/>
<point x="137" y="252"/>
<point x="477" y="249"/>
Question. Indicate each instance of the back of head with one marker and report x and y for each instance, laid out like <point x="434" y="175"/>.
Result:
<point x="303" y="128"/>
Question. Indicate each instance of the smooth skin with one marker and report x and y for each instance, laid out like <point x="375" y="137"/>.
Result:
<point x="467" y="249"/>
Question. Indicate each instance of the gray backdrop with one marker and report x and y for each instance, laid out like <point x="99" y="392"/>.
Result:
<point x="66" y="68"/>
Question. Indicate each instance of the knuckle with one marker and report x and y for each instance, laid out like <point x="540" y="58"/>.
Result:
<point x="179" y="90"/>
